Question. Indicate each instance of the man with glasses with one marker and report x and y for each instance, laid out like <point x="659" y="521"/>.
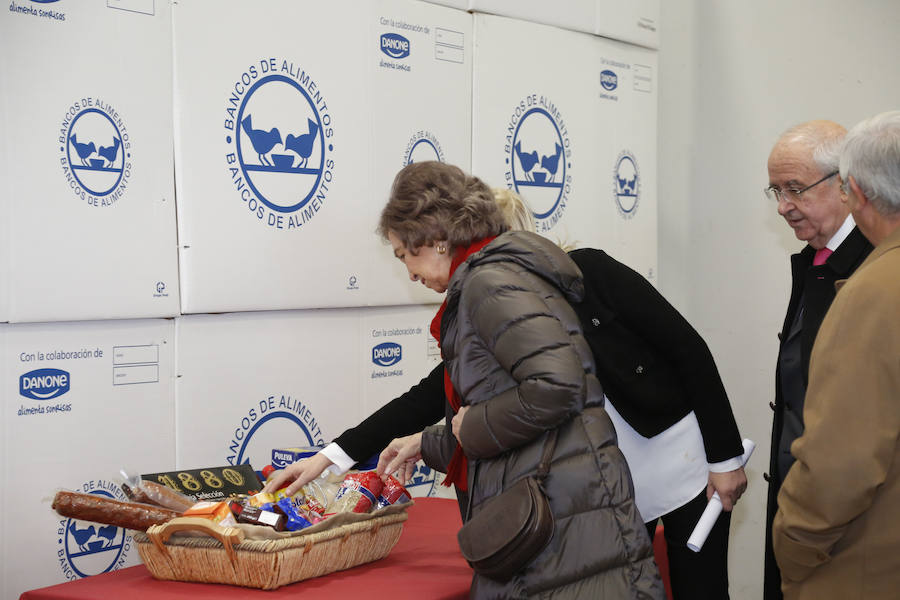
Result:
<point x="836" y="533"/>
<point x="803" y="182"/>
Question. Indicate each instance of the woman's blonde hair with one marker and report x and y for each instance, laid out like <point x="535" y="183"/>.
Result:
<point x="515" y="211"/>
<point x="519" y="215"/>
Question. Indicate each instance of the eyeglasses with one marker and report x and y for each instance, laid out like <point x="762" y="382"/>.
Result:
<point x="776" y="194"/>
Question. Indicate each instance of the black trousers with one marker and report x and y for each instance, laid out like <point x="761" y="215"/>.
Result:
<point x="695" y="575"/>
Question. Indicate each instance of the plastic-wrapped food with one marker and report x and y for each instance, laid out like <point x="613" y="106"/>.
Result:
<point x="150" y="492"/>
<point x="295" y="518"/>
<point x="393" y="492"/>
<point x="323" y="488"/>
<point x="357" y="493"/>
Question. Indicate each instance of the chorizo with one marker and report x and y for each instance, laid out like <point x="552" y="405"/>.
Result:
<point x="99" y="509"/>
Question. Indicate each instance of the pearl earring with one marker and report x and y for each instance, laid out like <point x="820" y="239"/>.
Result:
<point x="441" y="249"/>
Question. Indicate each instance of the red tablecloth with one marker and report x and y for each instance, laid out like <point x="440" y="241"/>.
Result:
<point x="425" y="563"/>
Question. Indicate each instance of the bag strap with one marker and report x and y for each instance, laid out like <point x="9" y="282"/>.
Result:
<point x="542" y="470"/>
<point x="547" y="456"/>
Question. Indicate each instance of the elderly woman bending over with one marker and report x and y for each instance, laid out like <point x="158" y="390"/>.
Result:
<point x="517" y="367"/>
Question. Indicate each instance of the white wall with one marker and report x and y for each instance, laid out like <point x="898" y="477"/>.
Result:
<point x="733" y="76"/>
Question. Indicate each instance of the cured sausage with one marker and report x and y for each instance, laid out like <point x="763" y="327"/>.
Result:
<point x="91" y="507"/>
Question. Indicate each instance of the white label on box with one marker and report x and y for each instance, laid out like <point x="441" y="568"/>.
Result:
<point x="129" y="355"/>
<point x="643" y="78"/>
<point x="448" y="45"/>
<point x="133" y="374"/>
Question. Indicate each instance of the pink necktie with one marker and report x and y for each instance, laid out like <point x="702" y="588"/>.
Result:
<point x="821" y="256"/>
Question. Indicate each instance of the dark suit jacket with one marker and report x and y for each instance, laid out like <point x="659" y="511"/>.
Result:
<point x="815" y="287"/>
<point x="654" y="367"/>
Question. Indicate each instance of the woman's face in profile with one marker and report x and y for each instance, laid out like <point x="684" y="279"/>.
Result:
<point x="429" y="266"/>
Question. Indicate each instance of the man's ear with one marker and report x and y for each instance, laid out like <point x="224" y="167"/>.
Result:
<point x="861" y="198"/>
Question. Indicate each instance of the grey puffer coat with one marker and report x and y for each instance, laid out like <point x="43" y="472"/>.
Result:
<point x="515" y="353"/>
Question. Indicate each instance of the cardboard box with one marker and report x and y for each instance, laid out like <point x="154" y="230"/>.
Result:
<point x="288" y="136"/>
<point x="577" y="139"/>
<point x="284" y="379"/>
<point x="88" y="167"/>
<point x="68" y="422"/>
<point x="634" y="22"/>
<point x="576" y="15"/>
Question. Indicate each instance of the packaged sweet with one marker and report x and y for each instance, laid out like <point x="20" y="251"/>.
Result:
<point x="215" y="511"/>
<point x="257" y="516"/>
<point x="393" y="492"/>
<point x="357" y="493"/>
<point x="263" y="498"/>
<point x="295" y="519"/>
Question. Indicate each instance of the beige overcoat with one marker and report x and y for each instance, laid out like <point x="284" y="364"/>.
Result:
<point x="837" y="530"/>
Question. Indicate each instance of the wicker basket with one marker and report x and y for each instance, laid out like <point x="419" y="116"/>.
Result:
<point x="224" y="555"/>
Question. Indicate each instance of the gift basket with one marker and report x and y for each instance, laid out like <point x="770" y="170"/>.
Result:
<point x="225" y="555"/>
<point x="256" y="540"/>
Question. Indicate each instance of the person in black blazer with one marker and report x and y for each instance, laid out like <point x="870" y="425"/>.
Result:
<point x="655" y="369"/>
<point x="802" y="169"/>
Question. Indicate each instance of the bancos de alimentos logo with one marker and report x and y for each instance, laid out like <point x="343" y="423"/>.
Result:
<point x="539" y="158"/>
<point x="279" y="132"/>
<point x="95" y="151"/>
<point x="627" y="184"/>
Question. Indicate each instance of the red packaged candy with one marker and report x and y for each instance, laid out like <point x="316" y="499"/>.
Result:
<point x="393" y="492"/>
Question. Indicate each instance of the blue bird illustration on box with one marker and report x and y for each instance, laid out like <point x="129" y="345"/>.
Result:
<point x="627" y="185"/>
<point x="83" y="150"/>
<point x="108" y="532"/>
<point x="262" y="141"/>
<point x="82" y="536"/>
<point x="527" y="160"/>
<point x="109" y="152"/>
<point x="303" y="144"/>
<point x="551" y="163"/>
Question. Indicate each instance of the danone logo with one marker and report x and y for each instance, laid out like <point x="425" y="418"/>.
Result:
<point x="44" y="384"/>
<point x="609" y="80"/>
<point x="387" y="354"/>
<point x="279" y="132"/>
<point x="394" y="45"/>
<point x="539" y="158"/>
<point x="627" y="184"/>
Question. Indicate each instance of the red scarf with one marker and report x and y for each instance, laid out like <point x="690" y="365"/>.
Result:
<point x="457" y="469"/>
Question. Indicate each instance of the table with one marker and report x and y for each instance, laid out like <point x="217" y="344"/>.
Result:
<point x="425" y="563"/>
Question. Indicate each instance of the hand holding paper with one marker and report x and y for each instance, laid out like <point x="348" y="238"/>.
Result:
<point x="714" y="508"/>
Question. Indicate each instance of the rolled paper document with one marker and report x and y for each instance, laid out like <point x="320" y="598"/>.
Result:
<point x="714" y="508"/>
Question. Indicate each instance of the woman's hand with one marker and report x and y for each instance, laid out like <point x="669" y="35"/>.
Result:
<point x="730" y="485"/>
<point x="456" y="423"/>
<point x="401" y="455"/>
<point x="300" y="472"/>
